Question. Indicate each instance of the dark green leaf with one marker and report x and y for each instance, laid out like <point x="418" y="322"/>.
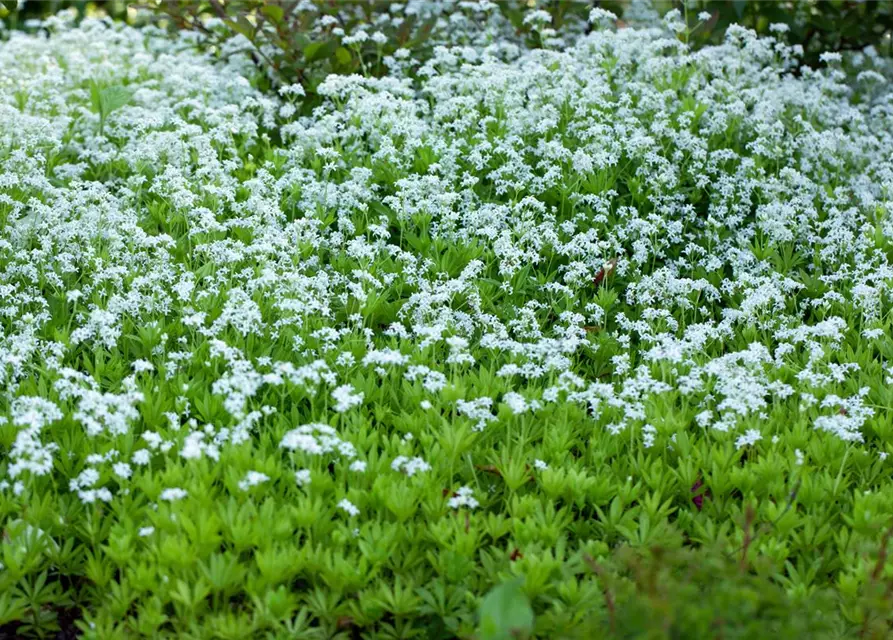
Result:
<point x="273" y="11"/>
<point x="319" y="50"/>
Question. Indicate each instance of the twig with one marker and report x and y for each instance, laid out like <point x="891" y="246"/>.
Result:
<point x="876" y="572"/>
<point x="218" y="9"/>
<point x="749" y="516"/>
<point x="790" y="503"/>
<point x="609" y="599"/>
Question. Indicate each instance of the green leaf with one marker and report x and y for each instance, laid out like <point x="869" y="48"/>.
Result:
<point x="242" y="26"/>
<point x="319" y="50"/>
<point x="342" y="55"/>
<point x="273" y="11"/>
<point x="96" y="97"/>
<point x="505" y="613"/>
<point x="112" y="98"/>
<point x="311" y="50"/>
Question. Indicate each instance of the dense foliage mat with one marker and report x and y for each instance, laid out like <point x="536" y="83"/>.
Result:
<point x="602" y="331"/>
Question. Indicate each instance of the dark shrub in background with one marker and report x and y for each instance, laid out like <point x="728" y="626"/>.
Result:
<point x="293" y="51"/>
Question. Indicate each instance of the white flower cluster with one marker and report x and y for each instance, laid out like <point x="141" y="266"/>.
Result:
<point x="410" y="466"/>
<point x="252" y="479"/>
<point x="464" y="497"/>
<point x="317" y="439"/>
<point x="616" y="224"/>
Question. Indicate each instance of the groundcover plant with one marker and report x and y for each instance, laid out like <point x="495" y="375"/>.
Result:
<point x="604" y="330"/>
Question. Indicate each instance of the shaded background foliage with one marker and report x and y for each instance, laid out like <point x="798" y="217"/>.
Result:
<point x="299" y="55"/>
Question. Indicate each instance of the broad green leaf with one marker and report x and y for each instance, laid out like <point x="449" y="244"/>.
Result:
<point x="319" y="50"/>
<point x="311" y="50"/>
<point x="343" y="56"/>
<point x="505" y="613"/>
<point x="113" y="98"/>
<point x="273" y="11"/>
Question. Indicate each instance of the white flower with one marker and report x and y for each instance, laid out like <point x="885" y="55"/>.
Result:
<point x="409" y="466"/>
<point x="252" y="479"/>
<point x="173" y="494"/>
<point x="348" y="507"/>
<point x="192" y="446"/>
<point x="648" y="434"/>
<point x="602" y="16"/>
<point x="140" y="366"/>
<point x="477" y="409"/>
<point x="464" y="497"/>
<point x="146" y="531"/>
<point x="750" y="437"/>
<point x="302" y="477"/>
<point x="122" y="470"/>
<point x="292" y="90"/>
<point x="355" y="38"/>
<point x="537" y="17"/>
<point x="345" y="399"/>
<point x="316" y="439"/>
<point x="673" y="20"/>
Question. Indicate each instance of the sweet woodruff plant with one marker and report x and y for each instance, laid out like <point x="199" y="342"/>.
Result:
<point x="604" y="327"/>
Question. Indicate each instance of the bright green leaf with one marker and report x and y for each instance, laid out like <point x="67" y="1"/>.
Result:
<point x="505" y="612"/>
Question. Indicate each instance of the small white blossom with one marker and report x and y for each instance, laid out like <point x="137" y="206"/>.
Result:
<point x="122" y="470"/>
<point x="750" y="437"/>
<point x="464" y="497"/>
<point x="409" y="466"/>
<point x="173" y="494"/>
<point x="345" y="399"/>
<point x="252" y="479"/>
<point x="348" y="507"/>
